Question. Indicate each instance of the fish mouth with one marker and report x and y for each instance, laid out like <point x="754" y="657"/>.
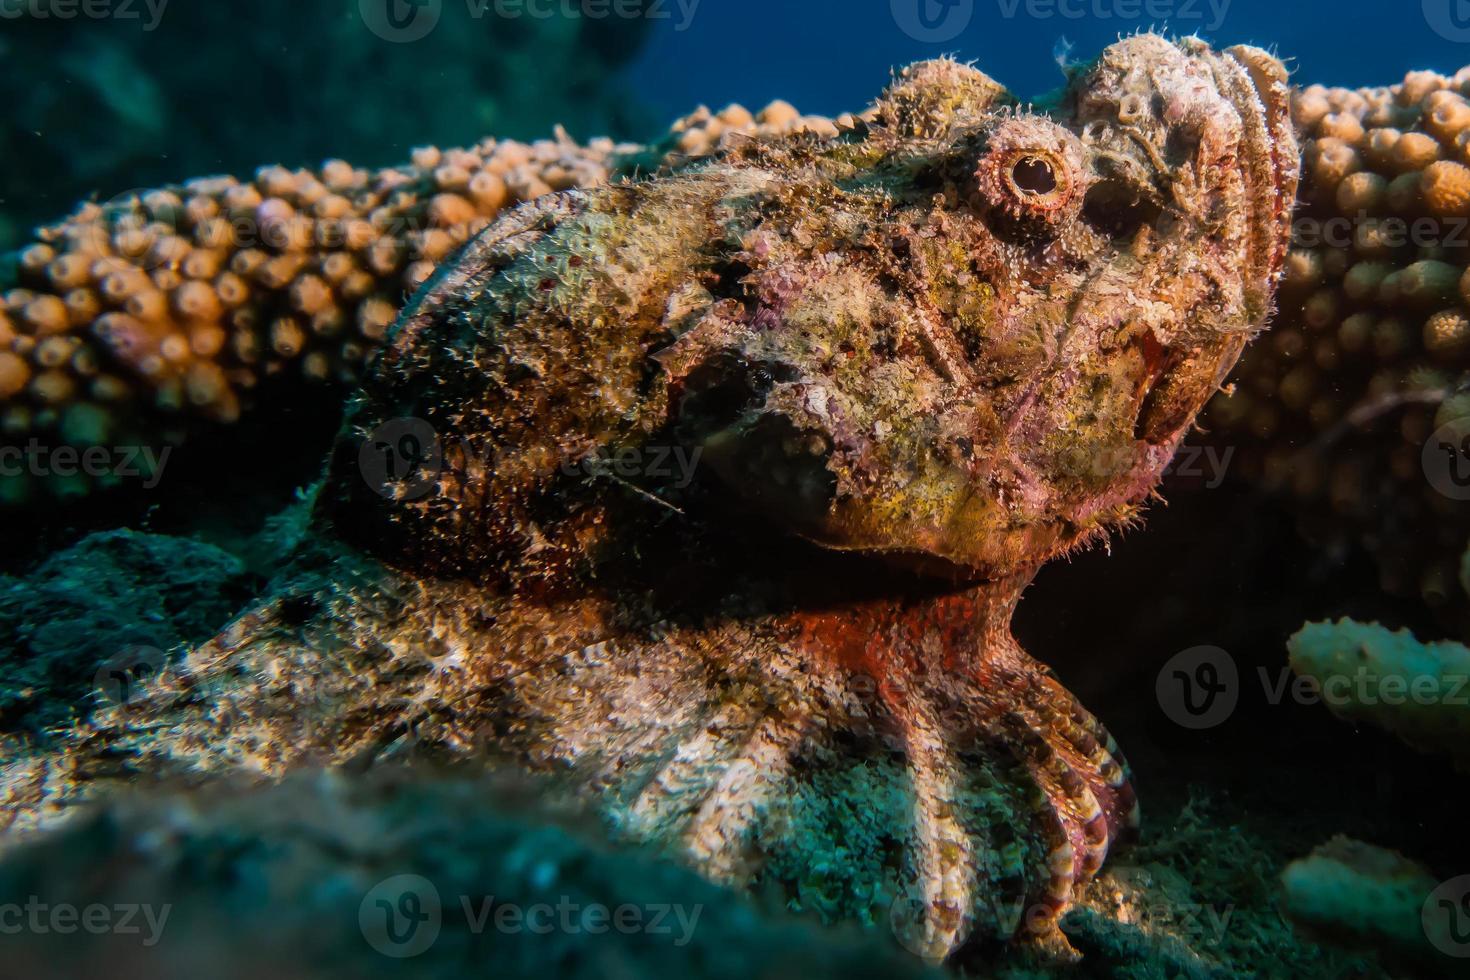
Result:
<point x="1256" y="84"/>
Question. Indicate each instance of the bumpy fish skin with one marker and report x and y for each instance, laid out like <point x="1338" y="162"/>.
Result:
<point x="725" y="484"/>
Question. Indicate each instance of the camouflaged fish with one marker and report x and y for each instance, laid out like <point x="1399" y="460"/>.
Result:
<point x="713" y="493"/>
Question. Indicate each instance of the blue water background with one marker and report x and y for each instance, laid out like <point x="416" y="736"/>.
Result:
<point x="831" y="56"/>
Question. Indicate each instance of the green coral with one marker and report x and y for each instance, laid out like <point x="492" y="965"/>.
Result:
<point x="1368" y="897"/>
<point x="1368" y="673"/>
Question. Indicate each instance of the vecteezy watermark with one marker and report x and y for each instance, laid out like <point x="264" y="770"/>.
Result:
<point x="126" y="10"/>
<point x="124" y="919"/>
<point x="403" y="916"/>
<point x="932" y="21"/>
<point x="1199" y="688"/>
<point x="1446" y="917"/>
<point x="405" y="21"/>
<point x="1202" y="925"/>
<point x="118" y="681"/>
<point x="1446" y="459"/>
<point x="1210" y="14"/>
<point x="674" y="463"/>
<point x="1386" y="233"/>
<point x="401" y="21"/>
<point x="1450" y="19"/>
<point x="1368" y="688"/>
<point x="1205" y="466"/>
<point x="1198" y="923"/>
<point x="37" y="459"/>
<point x="403" y="458"/>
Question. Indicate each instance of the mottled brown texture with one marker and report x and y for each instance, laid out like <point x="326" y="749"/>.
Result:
<point x="910" y="364"/>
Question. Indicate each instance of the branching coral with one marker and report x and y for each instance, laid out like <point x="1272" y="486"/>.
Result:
<point x="182" y="300"/>
<point x="137" y="319"/>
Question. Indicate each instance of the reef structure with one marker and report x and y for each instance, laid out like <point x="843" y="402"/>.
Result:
<point x="1362" y="896"/>
<point x="1364" y="383"/>
<point x="907" y="364"/>
<point x="144" y="318"/>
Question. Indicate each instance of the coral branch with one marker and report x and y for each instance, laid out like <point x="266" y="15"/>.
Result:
<point x="1418" y="691"/>
<point x="145" y="316"/>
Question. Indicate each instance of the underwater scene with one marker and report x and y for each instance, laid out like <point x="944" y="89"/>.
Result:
<point x="700" y="488"/>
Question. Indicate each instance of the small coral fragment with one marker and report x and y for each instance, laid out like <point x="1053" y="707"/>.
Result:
<point x="1359" y="895"/>
<point x="1368" y="673"/>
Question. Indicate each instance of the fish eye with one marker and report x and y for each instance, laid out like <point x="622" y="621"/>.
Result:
<point x="1028" y="181"/>
<point x="1034" y="176"/>
<point x="1033" y="171"/>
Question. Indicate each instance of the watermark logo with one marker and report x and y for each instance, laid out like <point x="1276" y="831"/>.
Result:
<point x="1447" y="459"/>
<point x="120" y="680"/>
<point x="402" y="459"/>
<point x="401" y="917"/>
<point x="1199" y="687"/>
<point x="121" y="239"/>
<point x="405" y="21"/>
<point x="1204" y="467"/>
<point x="910" y="918"/>
<point x="42" y="918"/>
<point x="1210" y="14"/>
<point x="933" y="21"/>
<point x="1446" y="917"/>
<point x="675" y="464"/>
<point x="1201" y="924"/>
<point x="401" y="21"/>
<point x="1450" y="19"/>
<point x="149" y="11"/>
<point x="141" y="463"/>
